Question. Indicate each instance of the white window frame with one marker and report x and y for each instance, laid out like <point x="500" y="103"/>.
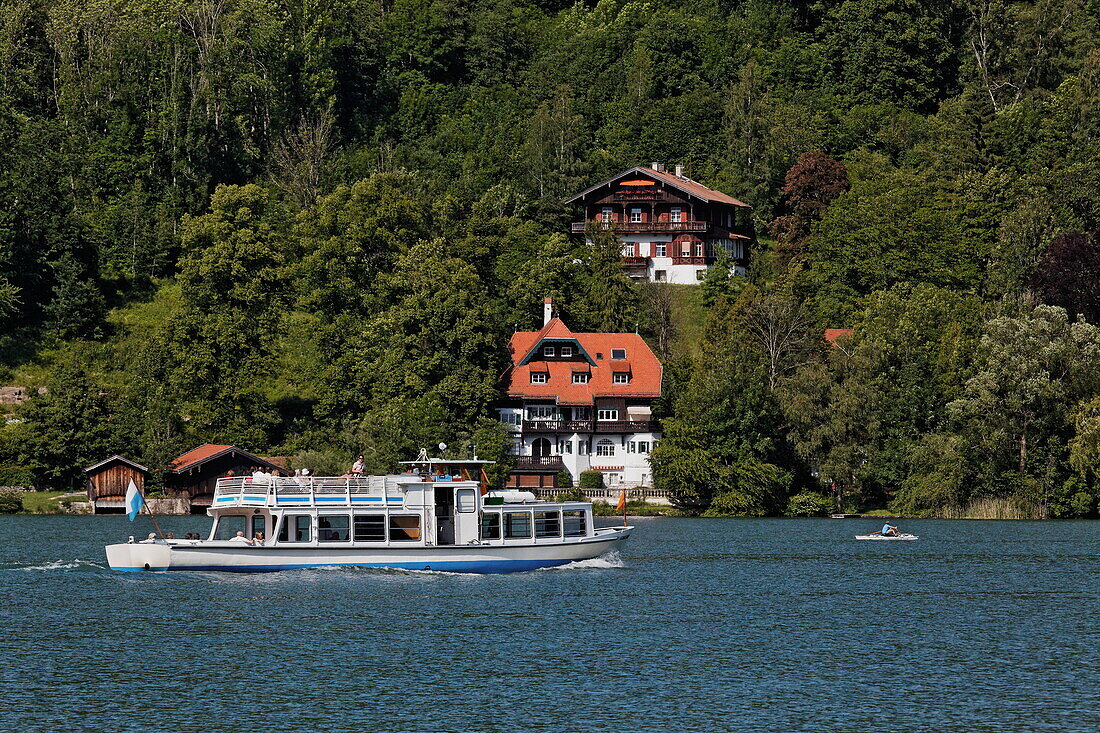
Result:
<point x="636" y="215"/>
<point x="549" y="351"/>
<point x="580" y="377"/>
<point x="618" y="351"/>
<point x="567" y="351"/>
<point x="607" y="214"/>
<point x="676" y="215"/>
<point x="539" y="377"/>
<point x="542" y="412"/>
<point x="643" y="446"/>
<point x="620" y="378"/>
<point x="661" y="249"/>
<point x="628" y="249"/>
<point x="607" y="415"/>
<point x="605" y="447"/>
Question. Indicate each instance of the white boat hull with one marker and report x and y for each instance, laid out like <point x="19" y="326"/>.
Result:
<point x="899" y="538"/>
<point x="241" y="558"/>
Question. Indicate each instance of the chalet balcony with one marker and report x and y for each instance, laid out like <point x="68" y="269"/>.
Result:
<point x="692" y="260"/>
<point x="539" y="463"/>
<point x="635" y="261"/>
<point x="579" y="227"/>
<point x="568" y="427"/>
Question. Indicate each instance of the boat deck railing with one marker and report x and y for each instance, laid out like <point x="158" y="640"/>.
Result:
<point x="307" y="490"/>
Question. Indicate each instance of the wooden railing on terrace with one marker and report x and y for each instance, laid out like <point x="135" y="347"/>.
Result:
<point x="579" y="227"/>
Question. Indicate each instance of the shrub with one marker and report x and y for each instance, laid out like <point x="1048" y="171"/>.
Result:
<point x="809" y="504"/>
<point x="564" y="480"/>
<point x="16" y="476"/>
<point x="591" y="479"/>
<point x="11" y="502"/>
<point x="572" y="495"/>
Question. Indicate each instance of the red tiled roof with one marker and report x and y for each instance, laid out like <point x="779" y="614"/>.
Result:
<point x="832" y="334"/>
<point x="641" y="362"/>
<point x="197" y="455"/>
<point x="204" y="453"/>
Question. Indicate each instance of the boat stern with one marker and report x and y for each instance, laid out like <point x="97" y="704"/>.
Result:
<point x="139" y="556"/>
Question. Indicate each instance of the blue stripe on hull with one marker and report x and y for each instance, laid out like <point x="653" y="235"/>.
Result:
<point x="454" y="566"/>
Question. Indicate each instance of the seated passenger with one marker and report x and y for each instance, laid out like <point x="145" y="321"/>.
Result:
<point x="259" y="477"/>
<point x="258" y="538"/>
<point x="241" y="538"/>
<point x="358" y="467"/>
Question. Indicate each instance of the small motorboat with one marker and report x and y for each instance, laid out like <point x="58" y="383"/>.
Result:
<point x="877" y="536"/>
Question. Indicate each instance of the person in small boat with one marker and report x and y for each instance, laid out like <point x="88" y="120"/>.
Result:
<point x="240" y="537"/>
<point x="888" y="530"/>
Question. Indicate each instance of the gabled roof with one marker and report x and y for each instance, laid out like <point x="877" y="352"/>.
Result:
<point x="594" y="356"/>
<point x="682" y="183"/>
<point x="208" y="452"/>
<point x="116" y="459"/>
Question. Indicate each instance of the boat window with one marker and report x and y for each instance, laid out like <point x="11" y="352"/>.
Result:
<point x="259" y="525"/>
<point x="332" y="528"/>
<point x="547" y="524"/>
<point x="574" y="523"/>
<point x="404" y="528"/>
<point x="517" y="525"/>
<point x="465" y="500"/>
<point x="295" y="528"/>
<point x="229" y="526"/>
<point x="490" y="525"/>
<point x="370" y="527"/>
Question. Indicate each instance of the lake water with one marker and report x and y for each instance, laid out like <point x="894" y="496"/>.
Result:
<point x="729" y="625"/>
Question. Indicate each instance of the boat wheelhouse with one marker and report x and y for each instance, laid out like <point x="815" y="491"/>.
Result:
<point x="436" y="516"/>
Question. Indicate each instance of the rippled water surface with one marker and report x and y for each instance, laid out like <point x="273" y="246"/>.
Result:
<point x="700" y="625"/>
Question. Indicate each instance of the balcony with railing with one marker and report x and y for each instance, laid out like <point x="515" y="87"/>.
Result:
<point x="693" y="260"/>
<point x="539" y="463"/>
<point x="590" y="426"/>
<point x="579" y="227"/>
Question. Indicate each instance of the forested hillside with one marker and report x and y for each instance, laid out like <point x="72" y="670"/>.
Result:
<point x="309" y="228"/>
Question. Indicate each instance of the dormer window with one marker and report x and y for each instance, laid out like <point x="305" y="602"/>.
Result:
<point x="539" y="377"/>
<point x="620" y="378"/>
<point x="580" y="377"/>
<point x="567" y="351"/>
<point x="548" y="351"/>
<point x="618" y="354"/>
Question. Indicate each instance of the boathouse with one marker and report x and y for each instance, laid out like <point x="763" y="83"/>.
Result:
<point x="194" y="474"/>
<point x="108" y="481"/>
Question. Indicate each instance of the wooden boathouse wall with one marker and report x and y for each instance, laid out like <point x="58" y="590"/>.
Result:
<point x="108" y="481"/>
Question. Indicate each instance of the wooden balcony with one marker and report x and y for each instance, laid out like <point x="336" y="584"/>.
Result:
<point x="549" y="464"/>
<point x="628" y="227"/>
<point x="635" y="262"/>
<point x="692" y="260"/>
<point x="568" y="427"/>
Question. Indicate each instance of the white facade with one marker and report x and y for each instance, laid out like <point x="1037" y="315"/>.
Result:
<point x="623" y="458"/>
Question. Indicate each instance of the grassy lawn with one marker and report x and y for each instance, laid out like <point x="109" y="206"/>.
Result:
<point x="47" y="502"/>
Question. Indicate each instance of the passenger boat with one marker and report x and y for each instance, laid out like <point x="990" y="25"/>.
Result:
<point x="435" y="516"/>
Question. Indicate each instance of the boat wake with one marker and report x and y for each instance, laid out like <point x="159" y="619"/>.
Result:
<point x="610" y="560"/>
<point x="77" y="564"/>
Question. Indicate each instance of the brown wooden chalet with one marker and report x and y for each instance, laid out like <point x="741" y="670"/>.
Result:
<point x="108" y="481"/>
<point x="672" y="228"/>
<point x="195" y="473"/>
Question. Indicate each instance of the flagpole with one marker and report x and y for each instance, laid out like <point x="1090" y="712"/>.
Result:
<point x="152" y="516"/>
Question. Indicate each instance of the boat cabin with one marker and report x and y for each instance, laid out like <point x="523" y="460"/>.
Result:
<point x="420" y="508"/>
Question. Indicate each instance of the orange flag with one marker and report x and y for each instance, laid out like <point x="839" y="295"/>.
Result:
<point x="621" y="506"/>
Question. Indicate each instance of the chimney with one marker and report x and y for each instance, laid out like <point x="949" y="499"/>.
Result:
<point x="659" y="167"/>
<point x="547" y="310"/>
<point x="679" y="171"/>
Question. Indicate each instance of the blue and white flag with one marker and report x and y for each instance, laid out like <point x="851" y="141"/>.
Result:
<point x="133" y="500"/>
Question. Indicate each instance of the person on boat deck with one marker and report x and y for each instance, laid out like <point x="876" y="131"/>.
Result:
<point x="358" y="467"/>
<point x="888" y="530"/>
<point x="259" y="477"/>
<point x="241" y="538"/>
<point x="258" y="538"/>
